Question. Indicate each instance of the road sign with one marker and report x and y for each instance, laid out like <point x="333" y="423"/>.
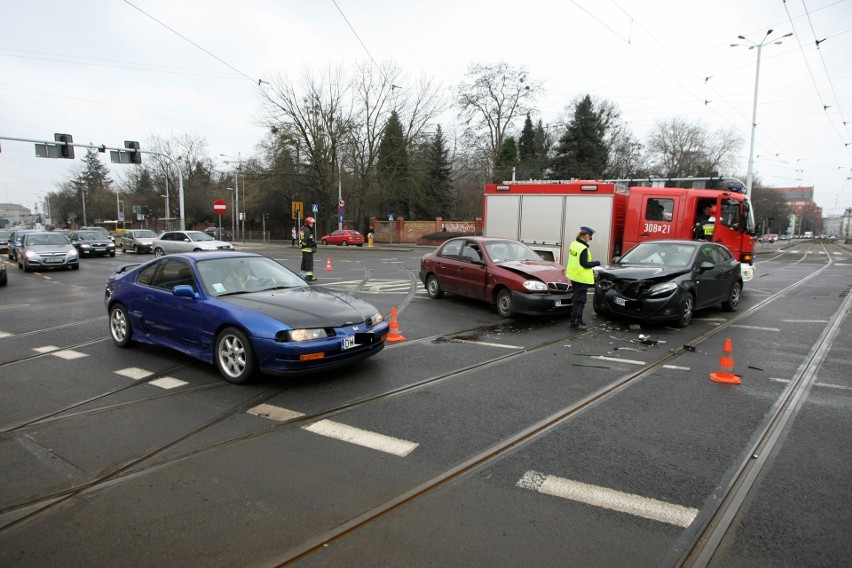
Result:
<point x="219" y="206"/>
<point x="297" y="210"/>
<point x="341" y="203"/>
<point x="315" y="208"/>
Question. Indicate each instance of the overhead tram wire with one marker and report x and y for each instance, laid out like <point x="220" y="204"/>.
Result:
<point x="367" y="51"/>
<point x="183" y="37"/>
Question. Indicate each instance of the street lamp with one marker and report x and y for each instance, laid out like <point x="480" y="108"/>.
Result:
<point x="759" y="47"/>
<point x="236" y="191"/>
<point x="233" y="214"/>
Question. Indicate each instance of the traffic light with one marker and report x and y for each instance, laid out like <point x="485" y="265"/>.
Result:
<point x="136" y="156"/>
<point x="67" y="149"/>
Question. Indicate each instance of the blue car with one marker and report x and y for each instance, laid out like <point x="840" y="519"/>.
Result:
<point x="244" y="312"/>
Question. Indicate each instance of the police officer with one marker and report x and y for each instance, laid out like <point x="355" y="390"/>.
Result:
<point x="309" y="247"/>
<point x="579" y="271"/>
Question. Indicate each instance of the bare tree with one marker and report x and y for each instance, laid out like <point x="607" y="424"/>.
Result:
<point x="490" y="102"/>
<point x="677" y="148"/>
<point x="315" y="121"/>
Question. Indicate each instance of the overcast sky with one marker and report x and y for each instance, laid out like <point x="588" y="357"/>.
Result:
<point x="111" y="71"/>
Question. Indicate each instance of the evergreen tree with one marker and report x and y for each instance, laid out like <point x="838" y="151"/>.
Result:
<point x="439" y="173"/>
<point x="392" y="169"/>
<point x="528" y="159"/>
<point x="94" y="181"/>
<point x="507" y="160"/>
<point x="582" y="152"/>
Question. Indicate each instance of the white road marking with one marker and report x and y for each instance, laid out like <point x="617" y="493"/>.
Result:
<point x="617" y="360"/>
<point x="606" y="498"/>
<point x="4" y="334"/>
<point x="826" y="385"/>
<point x="134" y="373"/>
<point x="486" y="343"/>
<point x="338" y="431"/>
<point x="168" y="383"/>
<point x="66" y="354"/>
<point x="758" y="328"/>
<point x="805" y="321"/>
<point x="676" y="367"/>
<point x="363" y="438"/>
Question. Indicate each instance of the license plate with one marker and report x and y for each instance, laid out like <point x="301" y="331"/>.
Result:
<point x="100" y="250"/>
<point x="52" y="260"/>
<point x="348" y="342"/>
<point x="620" y="301"/>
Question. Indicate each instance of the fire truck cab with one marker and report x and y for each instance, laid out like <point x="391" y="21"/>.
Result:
<point x="546" y="215"/>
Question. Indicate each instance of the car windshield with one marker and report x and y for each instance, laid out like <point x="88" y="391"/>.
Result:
<point x="660" y="254"/>
<point x="506" y="251"/>
<point x="45" y="239"/>
<point x="199" y="236"/>
<point x="143" y="235"/>
<point x="89" y="236"/>
<point x="223" y="276"/>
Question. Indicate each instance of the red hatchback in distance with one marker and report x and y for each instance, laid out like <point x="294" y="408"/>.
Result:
<point x="344" y="237"/>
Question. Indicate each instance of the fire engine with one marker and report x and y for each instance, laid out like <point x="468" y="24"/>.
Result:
<point x="547" y="215"/>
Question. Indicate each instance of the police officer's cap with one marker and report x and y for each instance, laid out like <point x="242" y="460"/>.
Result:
<point x="586" y="229"/>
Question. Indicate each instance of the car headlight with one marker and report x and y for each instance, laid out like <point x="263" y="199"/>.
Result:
<point x="535" y="285"/>
<point x="84" y="246"/>
<point x="31" y="255"/>
<point x="72" y="253"/>
<point x="662" y="289"/>
<point x="604" y="285"/>
<point x="301" y="334"/>
<point x="377" y="318"/>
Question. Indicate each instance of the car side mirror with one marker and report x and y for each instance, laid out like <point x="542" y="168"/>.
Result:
<point x="705" y="266"/>
<point x="185" y="291"/>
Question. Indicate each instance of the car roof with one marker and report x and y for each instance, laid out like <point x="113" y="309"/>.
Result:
<point x="201" y="255"/>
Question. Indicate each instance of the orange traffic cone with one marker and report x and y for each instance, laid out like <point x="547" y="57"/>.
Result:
<point x="328" y="265"/>
<point x="726" y="367"/>
<point x="394" y="334"/>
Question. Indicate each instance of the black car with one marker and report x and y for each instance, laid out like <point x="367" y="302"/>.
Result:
<point x="666" y="281"/>
<point x="218" y="234"/>
<point x="92" y="243"/>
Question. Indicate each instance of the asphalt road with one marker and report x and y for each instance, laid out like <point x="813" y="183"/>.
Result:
<point x="477" y="441"/>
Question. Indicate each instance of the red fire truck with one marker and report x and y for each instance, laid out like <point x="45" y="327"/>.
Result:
<point x="547" y="215"/>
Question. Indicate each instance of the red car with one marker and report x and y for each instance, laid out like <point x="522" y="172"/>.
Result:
<point x="502" y="272"/>
<point x="344" y="237"/>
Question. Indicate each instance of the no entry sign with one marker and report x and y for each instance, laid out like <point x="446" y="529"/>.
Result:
<point x="219" y="206"/>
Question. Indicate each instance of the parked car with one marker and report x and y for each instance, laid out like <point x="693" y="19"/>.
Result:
<point x="666" y="281"/>
<point x="344" y="237"/>
<point x="92" y="243"/>
<point x="15" y="242"/>
<point x="243" y="312"/>
<point x="5" y="235"/>
<point x="187" y="241"/>
<point x="42" y="249"/>
<point x="505" y="273"/>
<point x="3" y="274"/>
<point x="137" y="240"/>
<point x="223" y="235"/>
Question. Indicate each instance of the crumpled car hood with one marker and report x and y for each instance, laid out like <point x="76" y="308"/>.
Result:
<point x="542" y="270"/>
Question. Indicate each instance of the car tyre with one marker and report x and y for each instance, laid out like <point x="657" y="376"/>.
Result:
<point x="687" y="305"/>
<point x="433" y="287"/>
<point x="324" y="242"/>
<point x="234" y="356"/>
<point x="112" y="253"/>
<point x="504" y="303"/>
<point x="119" y="326"/>
<point x="733" y="301"/>
<point x="76" y="267"/>
<point x="345" y="243"/>
<point x="159" y="252"/>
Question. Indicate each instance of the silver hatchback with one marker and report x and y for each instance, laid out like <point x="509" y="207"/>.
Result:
<point x="47" y="250"/>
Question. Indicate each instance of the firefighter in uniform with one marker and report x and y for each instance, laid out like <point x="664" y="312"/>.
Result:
<point x="579" y="272"/>
<point x="708" y="228"/>
<point x="308" y="244"/>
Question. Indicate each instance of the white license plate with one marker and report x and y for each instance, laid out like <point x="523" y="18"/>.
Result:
<point x="52" y="260"/>
<point x="100" y="250"/>
<point x="348" y="342"/>
<point x="620" y="301"/>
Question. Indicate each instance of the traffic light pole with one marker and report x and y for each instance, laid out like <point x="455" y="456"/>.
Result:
<point x="102" y="148"/>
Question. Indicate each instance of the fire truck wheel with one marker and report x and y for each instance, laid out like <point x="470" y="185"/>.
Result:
<point x="733" y="301"/>
<point x="686" y="306"/>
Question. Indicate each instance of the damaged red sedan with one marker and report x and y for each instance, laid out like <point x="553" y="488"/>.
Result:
<point x="505" y="273"/>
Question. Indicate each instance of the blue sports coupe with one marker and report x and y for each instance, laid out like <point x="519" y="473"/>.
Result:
<point x="242" y="311"/>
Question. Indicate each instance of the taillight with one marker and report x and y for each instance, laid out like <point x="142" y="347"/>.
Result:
<point x="747" y="257"/>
